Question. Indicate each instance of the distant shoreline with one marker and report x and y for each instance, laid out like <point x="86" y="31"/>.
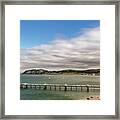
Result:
<point x="61" y="75"/>
<point x="89" y="72"/>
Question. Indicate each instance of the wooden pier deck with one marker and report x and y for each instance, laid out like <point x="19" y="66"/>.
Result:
<point x="60" y="87"/>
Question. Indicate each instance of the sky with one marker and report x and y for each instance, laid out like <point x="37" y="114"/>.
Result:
<point x="59" y="44"/>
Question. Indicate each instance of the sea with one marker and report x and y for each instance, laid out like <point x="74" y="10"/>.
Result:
<point x="39" y="94"/>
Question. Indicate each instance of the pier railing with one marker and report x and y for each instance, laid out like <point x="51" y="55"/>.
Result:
<point x="60" y="87"/>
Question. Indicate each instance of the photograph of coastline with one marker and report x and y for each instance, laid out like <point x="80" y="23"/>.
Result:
<point x="60" y="59"/>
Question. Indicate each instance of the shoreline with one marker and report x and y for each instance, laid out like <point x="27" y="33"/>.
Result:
<point x="59" y="74"/>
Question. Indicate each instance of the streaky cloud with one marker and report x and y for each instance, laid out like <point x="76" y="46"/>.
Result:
<point x="80" y="52"/>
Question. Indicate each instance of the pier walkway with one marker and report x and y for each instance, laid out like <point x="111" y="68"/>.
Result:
<point x="60" y="87"/>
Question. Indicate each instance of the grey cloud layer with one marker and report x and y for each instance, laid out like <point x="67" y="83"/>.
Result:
<point x="81" y="52"/>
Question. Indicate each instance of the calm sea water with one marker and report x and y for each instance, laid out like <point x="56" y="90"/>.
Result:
<point x="37" y="94"/>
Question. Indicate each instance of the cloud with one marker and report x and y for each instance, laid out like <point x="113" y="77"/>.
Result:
<point x="80" y="52"/>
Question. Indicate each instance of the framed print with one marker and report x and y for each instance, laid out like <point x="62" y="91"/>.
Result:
<point x="59" y="59"/>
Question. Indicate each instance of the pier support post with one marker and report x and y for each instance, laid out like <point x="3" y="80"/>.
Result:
<point x="76" y="88"/>
<point x="55" y="87"/>
<point x="21" y="86"/>
<point x="26" y="86"/>
<point x="81" y="88"/>
<point x="87" y="88"/>
<point x="45" y="87"/>
<point x="59" y="87"/>
<point x="65" y="87"/>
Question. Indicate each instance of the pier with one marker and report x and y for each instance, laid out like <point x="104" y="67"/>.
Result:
<point x="60" y="87"/>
